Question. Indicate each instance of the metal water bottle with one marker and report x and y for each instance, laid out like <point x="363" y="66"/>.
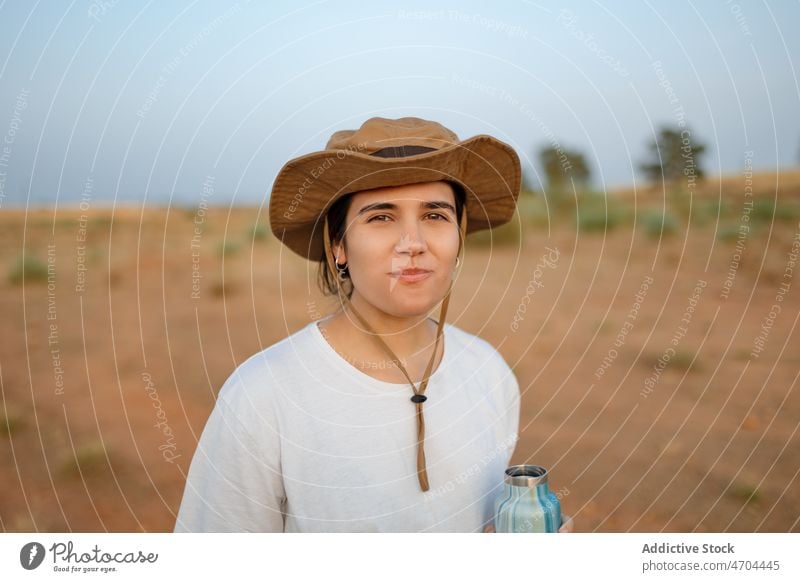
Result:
<point x="527" y="504"/>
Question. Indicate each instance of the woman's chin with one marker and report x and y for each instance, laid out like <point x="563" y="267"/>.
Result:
<point x="413" y="306"/>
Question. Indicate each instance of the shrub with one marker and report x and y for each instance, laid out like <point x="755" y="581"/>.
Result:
<point x="88" y="459"/>
<point x="228" y="247"/>
<point x="10" y="424"/>
<point x="259" y="232"/>
<point x="657" y="223"/>
<point x="728" y="232"/>
<point x="597" y="219"/>
<point x="29" y="268"/>
<point x="508" y="234"/>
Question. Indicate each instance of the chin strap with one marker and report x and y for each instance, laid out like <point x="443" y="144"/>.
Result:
<point x="419" y="393"/>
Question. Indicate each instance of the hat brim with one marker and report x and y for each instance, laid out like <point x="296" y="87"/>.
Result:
<point x="307" y="186"/>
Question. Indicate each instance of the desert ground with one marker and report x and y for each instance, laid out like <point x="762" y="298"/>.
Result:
<point x="651" y="332"/>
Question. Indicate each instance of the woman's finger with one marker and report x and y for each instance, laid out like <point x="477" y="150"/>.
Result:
<point x="489" y="528"/>
<point x="567" y="525"/>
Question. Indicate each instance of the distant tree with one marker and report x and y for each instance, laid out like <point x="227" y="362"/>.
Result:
<point x="528" y="183"/>
<point x="674" y="155"/>
<point x="561" y="165"/>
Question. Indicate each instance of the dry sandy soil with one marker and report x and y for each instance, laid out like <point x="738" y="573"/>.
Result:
<point x="704" y="438"/>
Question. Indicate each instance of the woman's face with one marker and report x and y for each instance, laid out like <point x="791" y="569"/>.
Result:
<point x="388" y="230"/>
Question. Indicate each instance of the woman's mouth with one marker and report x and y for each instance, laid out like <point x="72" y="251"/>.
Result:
<point x="413" y="275"/>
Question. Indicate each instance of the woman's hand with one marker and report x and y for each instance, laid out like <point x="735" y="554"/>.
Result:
<point x="567" y="525"/>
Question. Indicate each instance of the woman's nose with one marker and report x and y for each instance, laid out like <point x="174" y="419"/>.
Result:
<point x="411" y="241"/>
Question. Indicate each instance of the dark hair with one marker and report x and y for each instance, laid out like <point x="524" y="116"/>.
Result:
<point x="337" y="216"/>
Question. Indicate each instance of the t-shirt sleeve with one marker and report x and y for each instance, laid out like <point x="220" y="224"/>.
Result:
<point x="234" y="482"/>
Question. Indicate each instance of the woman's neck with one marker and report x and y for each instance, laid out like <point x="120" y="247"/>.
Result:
<point x="406" y="336"/>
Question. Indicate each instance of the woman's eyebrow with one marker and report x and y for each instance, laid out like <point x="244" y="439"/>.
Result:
<point x="440" y="204"/>
<point x="377" y="206"/>
<point x="433" y="204"/>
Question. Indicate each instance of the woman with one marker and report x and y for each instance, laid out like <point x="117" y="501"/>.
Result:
<point x="320" y="431"/>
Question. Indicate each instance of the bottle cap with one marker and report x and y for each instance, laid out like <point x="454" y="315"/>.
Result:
<point x="526" y="475"/>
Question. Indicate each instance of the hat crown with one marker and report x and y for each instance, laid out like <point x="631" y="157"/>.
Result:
<point x="378" y="133"/>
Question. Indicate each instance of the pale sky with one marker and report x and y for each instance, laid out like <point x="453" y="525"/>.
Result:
<point x="147" y="100"/>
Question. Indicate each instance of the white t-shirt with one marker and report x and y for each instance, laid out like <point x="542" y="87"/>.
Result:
<point x="301" y="440"/>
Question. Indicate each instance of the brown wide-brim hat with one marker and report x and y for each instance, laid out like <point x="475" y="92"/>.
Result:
<point x="392" y="152"/>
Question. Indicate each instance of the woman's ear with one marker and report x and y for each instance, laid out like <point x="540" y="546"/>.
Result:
<point x="339" y="252"/>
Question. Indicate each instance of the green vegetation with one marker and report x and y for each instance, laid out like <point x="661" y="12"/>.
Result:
<point x="683" y="360"/>
<point x="508" y="234"/>
<point x="746" y="493"/>
<point x="31" y="268"/>
<point x="657" y="223"/>
<point x="10" y="424"/>
<point x="728" y="232"/>
<point x="598" y="213"/>
<point x="680" y="360"/>
<point x="534" y="211"/>
<point x="88" y="459"/>
<point x="228" y="247"/>
<point x="259" y="232"/>
<point x="766" y="210"/>
<point x="674" y="157"/>
<point x="563" y="168"/>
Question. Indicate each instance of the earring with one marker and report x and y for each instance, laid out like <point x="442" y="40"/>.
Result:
<point x="458" y="262"/>
<point x="340" y="268"/>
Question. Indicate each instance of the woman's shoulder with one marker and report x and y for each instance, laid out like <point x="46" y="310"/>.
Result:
<point x="477" y="349"/>
<point x="278" y="365"/>
<point x="495" y="373"/>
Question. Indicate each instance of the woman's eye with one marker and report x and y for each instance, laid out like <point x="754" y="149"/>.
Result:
<point x="378" y="216"/>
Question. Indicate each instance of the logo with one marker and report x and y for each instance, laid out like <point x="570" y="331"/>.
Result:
<point x="31" y="555"/>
